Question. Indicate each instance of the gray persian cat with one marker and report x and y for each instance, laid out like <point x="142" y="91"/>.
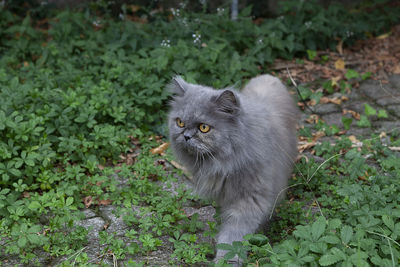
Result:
<point x="239" y="147"/>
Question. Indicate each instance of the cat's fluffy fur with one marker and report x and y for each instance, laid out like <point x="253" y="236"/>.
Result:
<point x="245" y="160"/>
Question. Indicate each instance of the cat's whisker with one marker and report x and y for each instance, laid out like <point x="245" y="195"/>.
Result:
<point x="210" y="154"/>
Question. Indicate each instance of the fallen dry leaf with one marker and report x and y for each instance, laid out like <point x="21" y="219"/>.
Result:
<point x="396" y="69"/>
<point x="133" y="8"/>
<point x="339" y="47"/>
<point x="384" y="36"/>
<point x="87" y="201"/>
<point x="355" y="142"/>
<point x="314" y="118"/>
<point x="317" y="135"/>
<point x="335" y="81"/>
<point x="353" y="139"/>
<point x="355" y="115"/>
<point x="130" y="158"/>
<point x="104" y="202"/>
<point x="312" y="102"/>
<point x="160" y="149"/>
<point x="304" y="146"/>
<point x="339" y="64"/>
<point x="334" y="100"/>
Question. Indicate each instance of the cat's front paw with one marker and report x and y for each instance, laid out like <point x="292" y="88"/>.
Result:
<point x="235" y="261"/>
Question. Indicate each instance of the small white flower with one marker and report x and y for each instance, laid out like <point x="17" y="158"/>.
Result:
<point x="175" y="12"/>
<point x="260" y="41"/>
<point x="165" y="43"/>
<point x="349" y="34"/>
<point x="96" y="23"/>
<point x="121" y="16"/>
<point x="220" y="11"/>
<point x="196" y="37"/>
<point x="308" y="24"/>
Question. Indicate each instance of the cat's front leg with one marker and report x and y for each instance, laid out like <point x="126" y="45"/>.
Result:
<point x="236" y="223"/>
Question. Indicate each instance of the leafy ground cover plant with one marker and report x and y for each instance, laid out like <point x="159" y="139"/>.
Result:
<point x="353" y="220"/>
<point x="77" y="88"/>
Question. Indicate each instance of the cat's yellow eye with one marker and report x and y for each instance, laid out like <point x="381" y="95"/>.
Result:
<point x="204" y="128"/>
<point x="180" y="123"/>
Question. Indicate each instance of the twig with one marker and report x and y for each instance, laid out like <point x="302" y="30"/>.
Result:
<point x="284" y="66"/>
<point x="298" y="91"/>
<point x="386" y="91"/>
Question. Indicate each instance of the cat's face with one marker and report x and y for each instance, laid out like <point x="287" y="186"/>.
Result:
<point x="201" y="120"/>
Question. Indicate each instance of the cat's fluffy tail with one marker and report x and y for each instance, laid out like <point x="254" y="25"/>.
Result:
<point x="264" y="87"/>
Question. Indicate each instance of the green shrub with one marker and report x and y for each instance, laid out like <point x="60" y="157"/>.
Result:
<point x="75" y="86"/>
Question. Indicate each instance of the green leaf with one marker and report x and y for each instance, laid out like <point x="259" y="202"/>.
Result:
<point x="69" y="201"/>
<point x="316" y="96"/>
<point x="334" y="224"/>
<point x="305" y="92"/>
<point x="347" y="122"/>
<point x="229" y="255"/>
<point x="346" y="233"/>
<point x="15" y="172"/>
<point x="34" y="238"/>
<point x="366" y="75"/>
<point x="382" y="114"/>
<point x="388" y="221"/>
<point x="363" y="122"/>
<point x="351" y="74"/>
<point x="330" y="239"/>
<point x="22" y="241"/>
<point x="318" y="228"/>
<point x="302" y="232"/>
<point x="30" y="162"/>
<point x="2" y="120"/>
<point x="245" y="12"/>
<point x="329" y="259"/>
<point x="311" y="54"/>
<point x="257" y="239"/>
<point x="224" y="246"/>
<point x="369" y="111"/>
<point x="34" y="205"/>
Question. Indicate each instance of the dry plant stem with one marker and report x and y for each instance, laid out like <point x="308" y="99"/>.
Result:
<point x="386" y="91"/>
<point x="298" y="91"/>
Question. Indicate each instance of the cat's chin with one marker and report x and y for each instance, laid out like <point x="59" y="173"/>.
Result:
<point x="191" y="150"/>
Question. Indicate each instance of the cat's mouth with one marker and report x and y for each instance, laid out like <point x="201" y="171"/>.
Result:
<point x="192" y="147"/>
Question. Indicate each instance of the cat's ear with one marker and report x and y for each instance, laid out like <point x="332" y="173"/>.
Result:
<point x="177" y="86"/>
<point x="228" y="102"/>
